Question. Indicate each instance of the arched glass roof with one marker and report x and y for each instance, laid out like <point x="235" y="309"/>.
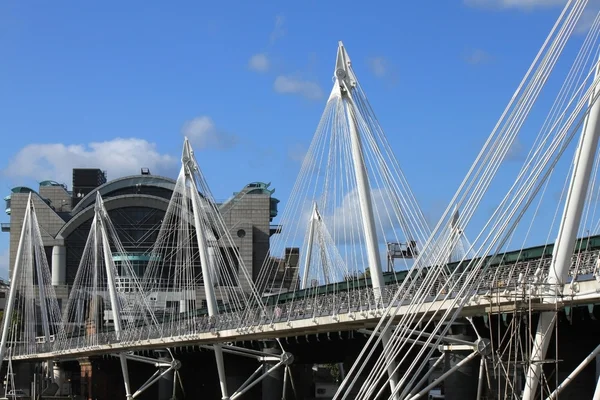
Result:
<point x="22" y="189"/>
<point x="125" y="182"/>
<point x="50" y="183"/>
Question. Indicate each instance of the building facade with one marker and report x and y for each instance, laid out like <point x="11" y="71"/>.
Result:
<point x="136" y="205"/>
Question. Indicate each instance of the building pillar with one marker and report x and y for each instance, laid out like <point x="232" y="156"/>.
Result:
<point x="59" y="265"/>
<point x="58" y="375"/>
<point x="165" y="384"/>
<point x="272" y="385"/>
<point x="85" y="366"/>
<point x="462" y="384"/>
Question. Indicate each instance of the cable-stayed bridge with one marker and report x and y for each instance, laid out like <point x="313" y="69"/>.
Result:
<point x="352" y="216"/>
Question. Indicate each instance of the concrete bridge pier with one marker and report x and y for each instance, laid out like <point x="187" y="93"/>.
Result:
<point x="272" y="385"/>
<point x="58" y="375"/>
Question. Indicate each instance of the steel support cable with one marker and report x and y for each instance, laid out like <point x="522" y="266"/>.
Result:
<point x="180" y="266"/>
<point x="589" y="216"/>
<point x="408" y="212"/>
<point x="563" y="148"/>
<point x="391" y="196"/>
<point x="574" y="75"/>
<point x="415" y="227"/>
<point x="576" y="69"/>
<point x="302" y="185"/>
<point x="520" y="122"/>
<point x="490" y="139"/>
<point x="30" y="284"/>
<point x="376" y="161"/>
<point x="463" y="215"/>
<point x="363" y="103"/>
<point x="213" y="224"/>
<point x="542" y="73"/>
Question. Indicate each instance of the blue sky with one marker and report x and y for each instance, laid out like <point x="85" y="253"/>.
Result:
<point x="116" y="85"/>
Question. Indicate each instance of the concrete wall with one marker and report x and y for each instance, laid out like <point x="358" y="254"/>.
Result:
<point x="248" y="218"/>
<point x="49" y="222"/>
<point x="59" y="198"/>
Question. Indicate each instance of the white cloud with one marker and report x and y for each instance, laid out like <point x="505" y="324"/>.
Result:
<point x="259" y="62"/>
<point x="297" y="152"/>
<point x="279" y="29"/>
<point x="347" y="222"/>
<point x="203" y="133"/>
<point x="583" y="25"/>
<point x="515" y="4"/>
<point x="587" y="18"/>
<point x="383" y="69"/>
<point x="4" y="261"/>
<point x="120" y="156"/>
<point x="478" y="57"/>
<point x="379" y="66"/>
<point x="289" y="85"/>
<point x="516" y="152"/>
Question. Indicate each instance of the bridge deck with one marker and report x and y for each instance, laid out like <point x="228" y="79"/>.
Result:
<point x="504" y="289"/>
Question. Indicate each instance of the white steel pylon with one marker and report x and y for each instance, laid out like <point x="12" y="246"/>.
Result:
<point x="345" y="84"/>
<point x="196" y="265"/>
<point x="460" y="248"/>
<point x="567" y="235"/>
<point x="190" y="167"/>
<point x="107" y="297"/>
<point x="326" y="265"/>
<point x="32" y="316"/>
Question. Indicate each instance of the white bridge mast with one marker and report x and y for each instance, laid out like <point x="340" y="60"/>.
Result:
<point x="344" y="85"/>
<point x="567" y="237"/>
<point x="190" y="167"/>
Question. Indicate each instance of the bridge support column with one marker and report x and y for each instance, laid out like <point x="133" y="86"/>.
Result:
<point x="86" y="388"/>
<point x="58" y="376"/>
<point x="190" y="166"/>
<point x="166" y="382"/>
<point x="272" y="385"/>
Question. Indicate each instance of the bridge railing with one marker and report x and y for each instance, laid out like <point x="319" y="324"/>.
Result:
<point x="524" y="277"/>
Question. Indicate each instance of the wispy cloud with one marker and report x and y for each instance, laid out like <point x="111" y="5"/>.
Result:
<point x="584" y="24"/>
<point x="383" y="69"/>
<point x="379" y="66"/>
<point x="477" y="57"/>
<point x="587" y="18"/>
<point x="290" y="85"/>
<point x="516" y="152"/>
<point x="203" y="133"/>
<point x="515" y="4"/>
<point x="279" y="29"/>
<point x="259" y="62"/>
<point x="297" y="152"/>
<point x="120" y="156"/>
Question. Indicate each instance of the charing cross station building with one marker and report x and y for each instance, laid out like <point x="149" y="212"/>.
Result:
<point x="137" y="205"/>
